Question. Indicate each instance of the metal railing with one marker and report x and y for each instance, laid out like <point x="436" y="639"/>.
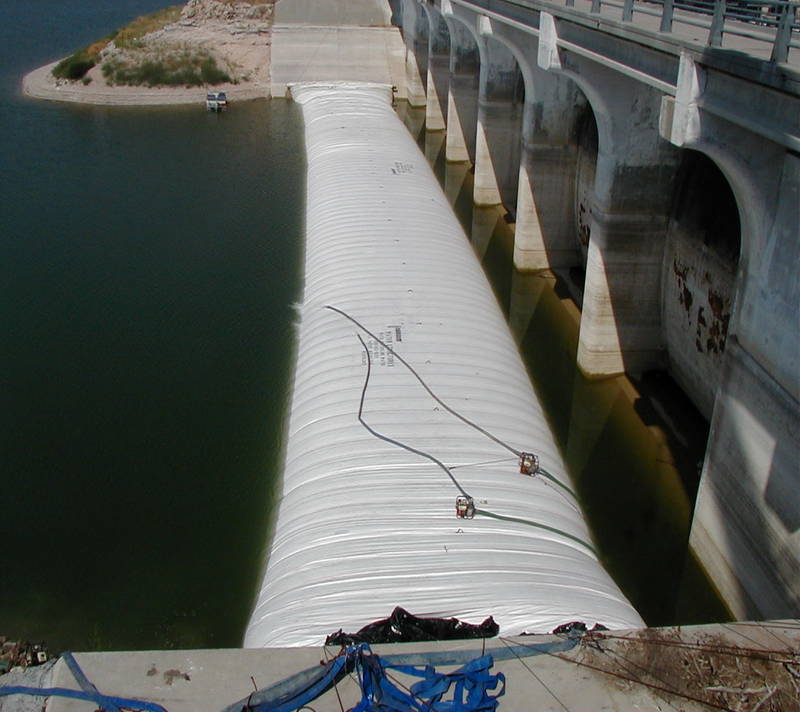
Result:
<point x="775" y="22"/>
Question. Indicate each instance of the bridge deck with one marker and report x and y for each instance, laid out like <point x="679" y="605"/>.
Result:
<point x="693" y="28"/>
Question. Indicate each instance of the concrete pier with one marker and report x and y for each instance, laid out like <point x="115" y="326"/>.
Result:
<point x="666" y="166"/>
<point x="462" y="94"/>
<point x="500" y="101"/>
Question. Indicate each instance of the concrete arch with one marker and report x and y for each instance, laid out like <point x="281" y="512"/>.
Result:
<point x="520" y="45"/>
<point x="499" y="131"/>
<point x="764" y="180"/>
<point x="752" y="452"/>
<point x="747" y="188"/>
<point x="600" y="104"/>
<point x="415" y="35"/>
<point x="699" y="277"/>
<point x="466" y="20"/>
<point x="438" y="69"/>
<point x="585" y="132"/>
<point x="621" y="316"/>
<point x="466" y="56"/>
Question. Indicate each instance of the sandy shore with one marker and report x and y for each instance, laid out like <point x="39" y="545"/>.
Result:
<point x="41" y="84"/>
<point x="244" y="45"/>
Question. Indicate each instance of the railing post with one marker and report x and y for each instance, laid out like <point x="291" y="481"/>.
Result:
<point x="595" y="6"/>
<point x="717" y="24"/>
<point x="627" y="11"/>
<point x="780" y="49"/>
<point x="667" y="10"/>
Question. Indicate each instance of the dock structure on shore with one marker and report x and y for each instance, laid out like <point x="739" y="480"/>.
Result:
<point x="410" y="399"/>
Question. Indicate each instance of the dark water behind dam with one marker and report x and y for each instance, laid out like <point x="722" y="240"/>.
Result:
<point x="149" y="260"/>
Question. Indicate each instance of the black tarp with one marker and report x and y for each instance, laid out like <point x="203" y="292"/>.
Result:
<point x="403" y="627"/>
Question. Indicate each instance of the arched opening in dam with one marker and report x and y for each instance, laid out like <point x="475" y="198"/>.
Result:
<point x="462" y="95"/>
<point x="415" y="33"/>
<point x="438" y="81"/>
<point x="701" y="259"/>
<point x="499" y="133"/>
<point x="585" y="172"/>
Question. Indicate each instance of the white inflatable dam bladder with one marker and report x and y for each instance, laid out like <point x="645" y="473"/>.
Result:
<point x="410" y="400"/>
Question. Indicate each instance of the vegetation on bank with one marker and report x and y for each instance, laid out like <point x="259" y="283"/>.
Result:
<point x="130" y="36"/>
<point x="126" y="58"/>
<point x="171" y="68"/>
<point x="183" y="67"/>
<point x="76" y="65"/>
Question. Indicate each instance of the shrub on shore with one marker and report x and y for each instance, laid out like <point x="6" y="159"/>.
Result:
<point x="130" y="36"/>
<point x="184" y="68"/>
<point x="76" y="65"/>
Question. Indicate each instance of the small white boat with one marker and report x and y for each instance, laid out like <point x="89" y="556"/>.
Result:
<point x="216" y="101"/>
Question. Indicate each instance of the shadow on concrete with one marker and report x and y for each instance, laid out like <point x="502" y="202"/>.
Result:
<point x="500" y="113"/>
<point x="751" y="462"/>
<point x="464" y="81"/>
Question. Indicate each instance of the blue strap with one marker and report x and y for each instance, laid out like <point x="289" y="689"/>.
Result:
<point x="87" y="692"/>
<point x="471" y="694"/>
<point x="331" y="675"/>
<point x="304" y="687"/>
<point x="82" y="680"/>
<point x="104" y="701"/>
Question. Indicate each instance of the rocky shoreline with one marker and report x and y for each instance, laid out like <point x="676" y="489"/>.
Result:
<point x="237" y="34"/>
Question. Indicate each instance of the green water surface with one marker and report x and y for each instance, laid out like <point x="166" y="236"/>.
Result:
<point x="149" y="260"/>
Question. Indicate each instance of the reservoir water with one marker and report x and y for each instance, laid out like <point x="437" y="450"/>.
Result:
<point x="149" y="261"/>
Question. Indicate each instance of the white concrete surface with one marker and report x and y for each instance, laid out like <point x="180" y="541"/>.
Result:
<point x="303" y="53"/>
<point x="333" y="12"/>
<point x="543" y="683"/>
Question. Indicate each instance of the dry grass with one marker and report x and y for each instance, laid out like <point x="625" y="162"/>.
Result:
<point x="709" y="672"/>
<point x="130" y="35"/>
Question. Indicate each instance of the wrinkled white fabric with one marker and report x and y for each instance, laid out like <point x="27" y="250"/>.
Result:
<point x="363" y="525"/>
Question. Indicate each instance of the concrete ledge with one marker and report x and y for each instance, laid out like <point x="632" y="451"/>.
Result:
<point x="618" y="671"/>
<point x="303" y="53"/>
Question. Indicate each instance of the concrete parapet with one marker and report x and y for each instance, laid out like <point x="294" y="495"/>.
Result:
<point x="579" y="678"/>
